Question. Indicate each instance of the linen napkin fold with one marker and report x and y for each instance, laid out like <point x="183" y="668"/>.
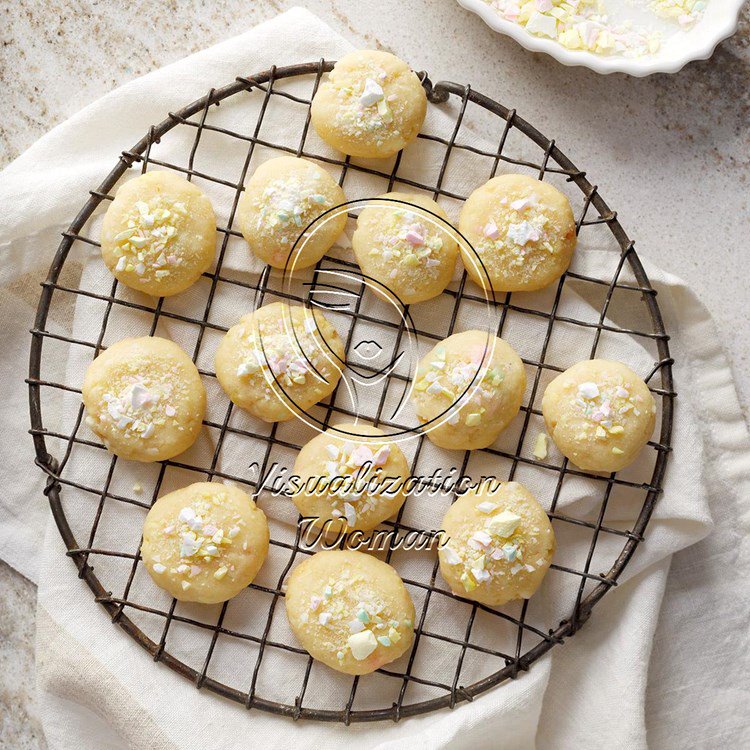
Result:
<point x="97" y="689"/>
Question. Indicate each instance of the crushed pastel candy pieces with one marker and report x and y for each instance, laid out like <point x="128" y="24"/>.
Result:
<point x="361" y="461"/>
<point x="201" y="541"/>
<point x="605" y="406"/>
<point x="289" y="203"/>
<point x="137" y="408"/>
<point x="586" y="25"/>
<point x="273" y="354"/>
<point x="487" y="551"/>
<point x="146" y="243"/>
<point x="365" y="106"/>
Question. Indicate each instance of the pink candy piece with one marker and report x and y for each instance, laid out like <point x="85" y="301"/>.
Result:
<point x="361" y="455"/>
<point x="381" y="456"/>
<point x="491" y="230"/>
<point x="413" y="237"/>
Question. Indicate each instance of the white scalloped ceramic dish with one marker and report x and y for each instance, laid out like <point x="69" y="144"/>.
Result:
<point x="719" y="22"/>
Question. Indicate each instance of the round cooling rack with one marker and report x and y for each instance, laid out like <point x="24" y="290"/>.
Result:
<point x="466" y="666"/>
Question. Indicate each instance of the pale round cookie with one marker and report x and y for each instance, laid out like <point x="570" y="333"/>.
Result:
<point x="282" y="198"/>
<point x="144" y="398"/>
<point x="159" y="234"/>
<point x="372" y="105"/>
<point x="375" y="463"/>
<point x="350" y="610"/>
<point x="279" y="360"/>
<point x="523" y="230"/>
<point x="409" y="252"/>
<point x="472" y="384"/>
<point x="204" y="543"/>
<point x="498" y="544"/>
<point x="600" y="414"/>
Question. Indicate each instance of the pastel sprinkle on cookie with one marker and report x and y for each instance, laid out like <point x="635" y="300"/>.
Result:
<point x="284" y="357"/>
<point x="604" y="408"/>
<point x="350" y="460"/>
<point x="495" y="540"/>
<point x="139" y="406"/>
<point x="451" y="379"/>
<point x="145" y="245"/>
<point x="289" y="203"/>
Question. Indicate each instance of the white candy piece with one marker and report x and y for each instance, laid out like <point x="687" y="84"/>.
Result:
<point x="541" y="24"/>
<point x="246" y="368"/>
<point x="189" y="546"/>
<point x="362" y="644"/>
<point x="451" y="557"/>
<point x="139" y="396"/>
<point x="372" y="94"/>
<point x="350" y="513"/>
<point x="522" y="233"/>
<point x="521" y="203"/>
<point x="481" y="538"/>
<point x="588" y="390"/>
<point x="186" y="514"/>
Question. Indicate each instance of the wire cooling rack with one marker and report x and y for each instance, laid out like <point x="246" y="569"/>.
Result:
<point x="528" y="640"/>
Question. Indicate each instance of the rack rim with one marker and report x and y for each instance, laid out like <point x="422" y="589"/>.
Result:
<point x="438" y="93"/>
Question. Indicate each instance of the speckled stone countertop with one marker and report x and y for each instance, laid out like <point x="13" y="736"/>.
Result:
<point x="671" y="152"/>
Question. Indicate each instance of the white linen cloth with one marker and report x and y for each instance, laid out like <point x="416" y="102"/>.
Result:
<point x="98" y="689"/>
